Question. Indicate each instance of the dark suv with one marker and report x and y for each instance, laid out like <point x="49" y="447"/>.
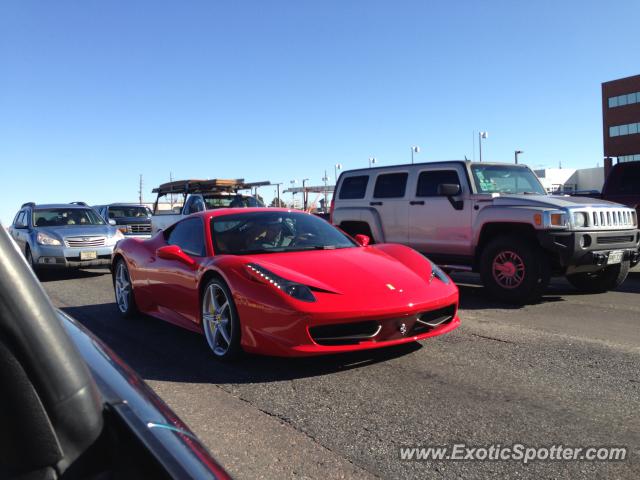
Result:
<point x="623" y="185"/>
<point x="132" y="219"/>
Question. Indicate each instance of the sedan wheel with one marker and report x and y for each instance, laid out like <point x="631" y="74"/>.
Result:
<point x="30" y="261"/>
<point x="220" y="320"/>
<point x="124" y="290"/>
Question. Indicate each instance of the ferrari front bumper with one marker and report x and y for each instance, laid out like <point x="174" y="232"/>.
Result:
<point x="327" y="333"/>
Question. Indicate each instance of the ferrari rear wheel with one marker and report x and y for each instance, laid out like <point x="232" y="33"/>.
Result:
<point x="123" y="289"/>
<point x="220" y="320"/>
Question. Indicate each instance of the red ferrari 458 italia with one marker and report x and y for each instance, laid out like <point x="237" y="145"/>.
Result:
<point x="282" y="282"/>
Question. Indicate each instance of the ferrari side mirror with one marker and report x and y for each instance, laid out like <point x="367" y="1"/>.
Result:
<point x="363" y="240"/>
<point x="174" y="252"/>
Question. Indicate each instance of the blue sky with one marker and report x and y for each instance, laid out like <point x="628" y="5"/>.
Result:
<point x="94" y="93"/>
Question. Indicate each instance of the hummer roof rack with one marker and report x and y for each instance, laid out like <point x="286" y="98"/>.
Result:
<point x="206" y="186"/>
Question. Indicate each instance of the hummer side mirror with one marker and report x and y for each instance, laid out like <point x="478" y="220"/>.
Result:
<point x="450" y="190"/>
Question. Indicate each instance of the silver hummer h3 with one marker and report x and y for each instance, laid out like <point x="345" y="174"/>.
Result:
<point x="491" y="218"/>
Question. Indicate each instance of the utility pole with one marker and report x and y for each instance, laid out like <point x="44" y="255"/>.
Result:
<point x="140" y="190"/>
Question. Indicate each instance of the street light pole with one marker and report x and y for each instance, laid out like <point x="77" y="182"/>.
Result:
<point x="304" y="193"/>
<point x="293" y="194"/>
<point x="336" y="167"/>
<point x="515" y="155"/>
<point x="278" y="194"/>
<point x="325" y="179"/>
<point x="481" y="135"/>
<point x="372" y="161"/>
<point x="414" y="149"/>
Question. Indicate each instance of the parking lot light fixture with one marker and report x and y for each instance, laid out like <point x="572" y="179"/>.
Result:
<point x="481" y="135"/>
<point x="372" y="161"/>
<point x="515" y="155"/>
<point x="336" y="167"/>
<point x="415" y="149"/>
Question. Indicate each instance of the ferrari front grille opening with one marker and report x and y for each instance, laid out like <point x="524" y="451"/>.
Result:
<point x="432" y="319"/>
<point x="345" y="333"/>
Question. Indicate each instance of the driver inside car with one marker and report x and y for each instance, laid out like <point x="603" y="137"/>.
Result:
<point x="265" y="235"/>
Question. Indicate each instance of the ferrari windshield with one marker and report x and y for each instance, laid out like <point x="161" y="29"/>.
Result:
<point x="506" y="179"/>
<point x="57" y="217"/>
<point x="270" y="232"/>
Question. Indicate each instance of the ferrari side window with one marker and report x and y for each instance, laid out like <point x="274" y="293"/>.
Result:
<point x="188" y="235"/>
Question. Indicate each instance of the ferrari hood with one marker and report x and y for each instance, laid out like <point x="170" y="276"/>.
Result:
<point x="349" y="271"/>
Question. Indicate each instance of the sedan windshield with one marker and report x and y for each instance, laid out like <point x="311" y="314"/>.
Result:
<point x="57" y="217"/>
<point x="128" y="211"/>
<point x="270" y="232"/>
<point x="505" y="179"/>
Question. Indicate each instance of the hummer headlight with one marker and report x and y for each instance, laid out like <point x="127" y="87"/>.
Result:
<point x="580" y="219"/>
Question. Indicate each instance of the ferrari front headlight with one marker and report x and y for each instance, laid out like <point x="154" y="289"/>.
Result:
<point x="296" y="290"/>
<point x="437" y="272"/>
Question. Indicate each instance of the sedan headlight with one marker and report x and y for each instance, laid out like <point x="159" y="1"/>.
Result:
<point x="580" y="219"/>
<point x="117" y="236"/>
<point x="436" y="271"/>
<point x="44" y="239"/>
<point x="293" y="289"/>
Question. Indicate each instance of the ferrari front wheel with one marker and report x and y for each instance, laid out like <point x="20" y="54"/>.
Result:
<point x="220" y="320"/>
<point x="123" y="289"/>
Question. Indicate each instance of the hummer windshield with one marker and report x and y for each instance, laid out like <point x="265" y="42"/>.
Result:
<point x="506" y="179"/>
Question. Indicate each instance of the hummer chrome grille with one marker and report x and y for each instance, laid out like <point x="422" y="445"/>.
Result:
<point x="608" y="218"/>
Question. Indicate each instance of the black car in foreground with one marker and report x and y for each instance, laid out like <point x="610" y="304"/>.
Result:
<point x="70" y="408"/>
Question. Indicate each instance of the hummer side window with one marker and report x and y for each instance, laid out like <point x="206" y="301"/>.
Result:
<point x="428" y="181"/>
<point x="391" y="185"/>
<point x="354" y="187"/>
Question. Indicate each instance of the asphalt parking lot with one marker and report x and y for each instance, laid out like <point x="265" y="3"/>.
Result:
<point x="564" y="371"/>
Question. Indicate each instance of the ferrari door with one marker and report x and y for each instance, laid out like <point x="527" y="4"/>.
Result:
<point x="176" y="282"/>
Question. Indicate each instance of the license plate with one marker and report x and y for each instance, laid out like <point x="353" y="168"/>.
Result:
<point x="615" y="257"/>
<point x="88" y="255"/>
